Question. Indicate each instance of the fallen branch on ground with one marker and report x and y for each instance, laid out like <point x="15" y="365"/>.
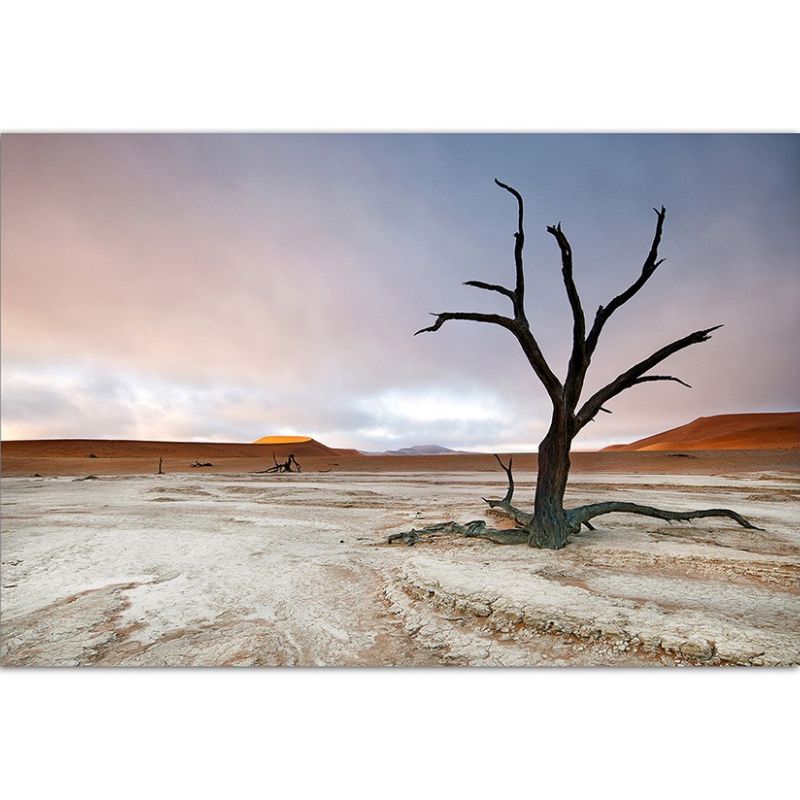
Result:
<point x="283" y="466"/>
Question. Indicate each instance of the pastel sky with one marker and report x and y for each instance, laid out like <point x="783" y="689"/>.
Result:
<point x="225" y="287"/>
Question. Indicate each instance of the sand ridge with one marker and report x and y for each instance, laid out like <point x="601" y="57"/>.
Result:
<point x="70" y="458"/>
<point x="725" y="432"/>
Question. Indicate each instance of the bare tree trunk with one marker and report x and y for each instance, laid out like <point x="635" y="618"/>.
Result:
<point x="549" y="527"/>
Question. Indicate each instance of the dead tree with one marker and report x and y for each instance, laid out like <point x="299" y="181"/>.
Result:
<point x="550" y="523"/>
<point x="283" y="466"/>
<point x="160" y="462"/>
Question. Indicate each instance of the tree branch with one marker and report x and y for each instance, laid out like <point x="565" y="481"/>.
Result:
<point x="648" y="378"/>
<point x="526" y="340"/>
<point x="569" y="283"/>
<point x="494" y="319"/>
<point x="578" y="361"/>
<point x="510" y="477"/>
<point x="650" y="265"/>
<point x="519" y="325"/>
<point x="519" y="243"/>
<point x="492" y="287"/>
<point x="504" y="506"/>
<point x="634" y="375"/>
<point x="538" y="362"/>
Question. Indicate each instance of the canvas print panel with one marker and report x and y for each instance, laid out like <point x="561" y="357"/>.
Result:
<point x="234" y="436"/>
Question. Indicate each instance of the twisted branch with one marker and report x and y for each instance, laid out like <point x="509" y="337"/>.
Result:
<point x="650" y="265"/>
<point x="504" y="506"/>
<point x="636" y="374"/>
<point x="519" y="325"/>
<point x="519" y="244"/>
<point x="581" y="515"/>
<point x="446" y="316"/>
<point x="648" y="378"/>
<point x="579" y="327"/>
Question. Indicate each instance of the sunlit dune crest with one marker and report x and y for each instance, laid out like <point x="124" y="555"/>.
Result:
<point x="282" y="439"/>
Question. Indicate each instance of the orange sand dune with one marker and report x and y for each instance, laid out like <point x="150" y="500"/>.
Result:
<point x="70" y="458"/>
<point x="120" y="448"/>
<point x="726" y="432"/>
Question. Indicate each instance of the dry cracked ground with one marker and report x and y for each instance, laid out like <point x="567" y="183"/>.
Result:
<point x="182" y="570"/>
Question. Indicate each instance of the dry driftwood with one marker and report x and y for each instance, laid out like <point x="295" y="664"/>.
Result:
<point x="283" y="466"/>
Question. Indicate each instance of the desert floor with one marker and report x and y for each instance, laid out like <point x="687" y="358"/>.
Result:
<point x="241" y="569"/>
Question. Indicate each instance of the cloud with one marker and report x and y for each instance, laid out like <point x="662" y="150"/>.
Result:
<point x="228" y="287"/>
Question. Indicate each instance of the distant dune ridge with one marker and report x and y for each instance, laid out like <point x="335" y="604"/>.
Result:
<point x="779" y="433"/>
<point x="121" y="448"/>
<point x="725" y="432"/>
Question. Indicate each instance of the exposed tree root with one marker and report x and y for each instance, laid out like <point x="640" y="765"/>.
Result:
<point x="575" y="518"/>
<point x="476" y="529"/>
<point x="582" y="515"/>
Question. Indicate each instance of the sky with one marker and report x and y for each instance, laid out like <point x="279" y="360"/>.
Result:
<point x="224" y="287"/>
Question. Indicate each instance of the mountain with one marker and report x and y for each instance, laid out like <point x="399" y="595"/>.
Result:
<point x="420" y="450"/>
<point x="725" y="432"/>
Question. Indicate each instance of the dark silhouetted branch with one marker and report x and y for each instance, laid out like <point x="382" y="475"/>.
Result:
<point x="579" y="326"/>
<point x="519" y="244"/>
<point x="632" y="376"/>
<point x="649" y="378"/>
<point x="650" y="265"/>
<point x="519" y="326"/>
<point x="447" y="316"/>
<point x="525" y="338"/>
<point x="492" y="287"/>
<point x="578" y="362"/>
<point x="283" y="466"/>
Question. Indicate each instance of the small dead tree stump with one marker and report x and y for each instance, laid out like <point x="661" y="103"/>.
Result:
<point x="283" y="466"/>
